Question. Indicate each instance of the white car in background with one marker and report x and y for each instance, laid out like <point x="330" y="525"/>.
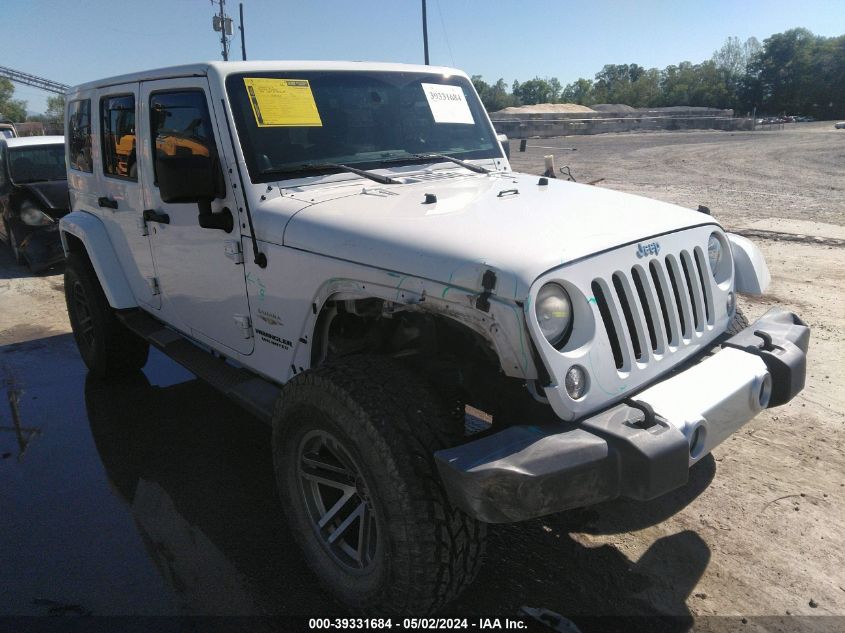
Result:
<point x="7" y="130"/>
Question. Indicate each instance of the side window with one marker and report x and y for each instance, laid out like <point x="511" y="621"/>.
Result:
<point x="118" y="132"/>
<point x="79" y="135"/>
<point x="181" y="129"/>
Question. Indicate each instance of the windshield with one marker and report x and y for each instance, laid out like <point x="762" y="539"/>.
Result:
<point x="290" y="121"/>
<point x="38" y="163"/>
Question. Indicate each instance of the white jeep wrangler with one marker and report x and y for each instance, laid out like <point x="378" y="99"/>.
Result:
<point x="343" y="249"/>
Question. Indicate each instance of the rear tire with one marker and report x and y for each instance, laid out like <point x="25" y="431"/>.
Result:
<point x="367" y="429"/>
<point x="107" y="347"/>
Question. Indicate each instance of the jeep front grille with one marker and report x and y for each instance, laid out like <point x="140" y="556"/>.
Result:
<point x="637" y="313"/>
<point x="655" y="307"/>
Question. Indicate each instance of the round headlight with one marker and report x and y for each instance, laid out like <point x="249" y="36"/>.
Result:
<point x="553" y="310"/>
<point x="714" y="252"/>
<point x="33" y="216"/>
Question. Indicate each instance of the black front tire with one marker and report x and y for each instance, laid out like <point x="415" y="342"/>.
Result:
<point x="738" y="323"/>
<point x="369" y="428"/>
<point x="107" y="347"/>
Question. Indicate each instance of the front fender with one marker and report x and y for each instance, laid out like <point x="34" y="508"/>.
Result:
<point x="502" y="325"/>
<point x="751" y="272"/>
<point x="93" y="234"/>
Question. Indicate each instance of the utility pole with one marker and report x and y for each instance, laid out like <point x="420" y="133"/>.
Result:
<point x="243" y="36"/>
<point x="425" y="32"/>
<point x="223" y="23"/>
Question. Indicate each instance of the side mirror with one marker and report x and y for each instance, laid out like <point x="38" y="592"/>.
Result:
<point x="196" y="178"/>
<point x="186" y="178"/>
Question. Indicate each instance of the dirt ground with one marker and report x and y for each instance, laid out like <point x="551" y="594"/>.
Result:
<point x="760" y="528"/>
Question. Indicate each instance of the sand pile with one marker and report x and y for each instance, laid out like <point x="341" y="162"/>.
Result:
<point x="546" y="108"/>
<point x="613" y="107"/>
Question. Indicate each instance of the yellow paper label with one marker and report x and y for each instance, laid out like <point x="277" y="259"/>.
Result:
<point x="282" y="102"/>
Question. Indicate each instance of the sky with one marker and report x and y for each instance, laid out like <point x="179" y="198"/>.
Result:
<point x="74" y="42"/>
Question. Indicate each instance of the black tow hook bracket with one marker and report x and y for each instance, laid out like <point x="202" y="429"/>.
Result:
<point x="780" y="339"/>
<point x="767" y="346"/>
<point x="488" y="283"/>
<point x="649" y="417"/>
<point x="786" y="362"/>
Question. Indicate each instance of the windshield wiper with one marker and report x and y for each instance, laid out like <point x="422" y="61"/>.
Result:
<point x="308" y="167"/>
<point x="476" y="168"/>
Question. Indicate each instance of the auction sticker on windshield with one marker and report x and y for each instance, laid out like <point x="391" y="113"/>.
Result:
<point x="447" y="104"/>
<point x="282" y="102"/>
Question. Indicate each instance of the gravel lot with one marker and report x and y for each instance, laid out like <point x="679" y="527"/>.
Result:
<point x="758" y="531"/>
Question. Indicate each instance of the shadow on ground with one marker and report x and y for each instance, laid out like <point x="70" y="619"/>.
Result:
<point x="201" y="492"/>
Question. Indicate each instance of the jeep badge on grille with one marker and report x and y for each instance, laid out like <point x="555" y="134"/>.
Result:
<point x="644" y="250"/>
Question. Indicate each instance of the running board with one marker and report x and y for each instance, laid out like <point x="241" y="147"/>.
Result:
<point x="255" y="394"/>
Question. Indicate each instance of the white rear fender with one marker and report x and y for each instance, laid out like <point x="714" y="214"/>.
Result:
<point x="752" y="273"/>
<point x="90" y="230"/>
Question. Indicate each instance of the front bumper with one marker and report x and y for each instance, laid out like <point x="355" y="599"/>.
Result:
<point x="42" y="247"/>
<point x="639" y="449"/>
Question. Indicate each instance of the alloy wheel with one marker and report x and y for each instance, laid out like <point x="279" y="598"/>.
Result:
<point x="338" y="501"/>
<point x="83" y="315"/>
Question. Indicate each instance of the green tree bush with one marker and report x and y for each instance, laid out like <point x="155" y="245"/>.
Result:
<point x="10" y="108"/>
<point x="795" y="72"/>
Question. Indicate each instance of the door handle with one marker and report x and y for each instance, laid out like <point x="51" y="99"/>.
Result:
<point x="151" y="215"/>
<point x="110" y="203"/>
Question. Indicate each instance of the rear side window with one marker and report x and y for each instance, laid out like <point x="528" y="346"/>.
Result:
<point x="181" y="126"/>
<point x="118" y="132"/>
<point x="79" y="135"/>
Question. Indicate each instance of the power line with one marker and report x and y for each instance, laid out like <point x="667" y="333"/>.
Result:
<point x="445" y="34"/>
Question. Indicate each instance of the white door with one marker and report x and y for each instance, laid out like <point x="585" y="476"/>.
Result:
<point x="202" y="285"/>
<point x="119" y="199"/>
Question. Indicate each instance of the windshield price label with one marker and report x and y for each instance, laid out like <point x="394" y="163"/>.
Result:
<point x="282" y="102"/>
<point x="447" y="103"/>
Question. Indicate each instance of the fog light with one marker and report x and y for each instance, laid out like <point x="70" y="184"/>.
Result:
<point x="576" y="382"/>
<point x="765" y="392"/>
<point x="696" y="443"/>
<point x="731" y="303"/>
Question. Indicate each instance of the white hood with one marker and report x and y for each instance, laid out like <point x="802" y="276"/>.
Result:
<point x="507" y="222"/>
